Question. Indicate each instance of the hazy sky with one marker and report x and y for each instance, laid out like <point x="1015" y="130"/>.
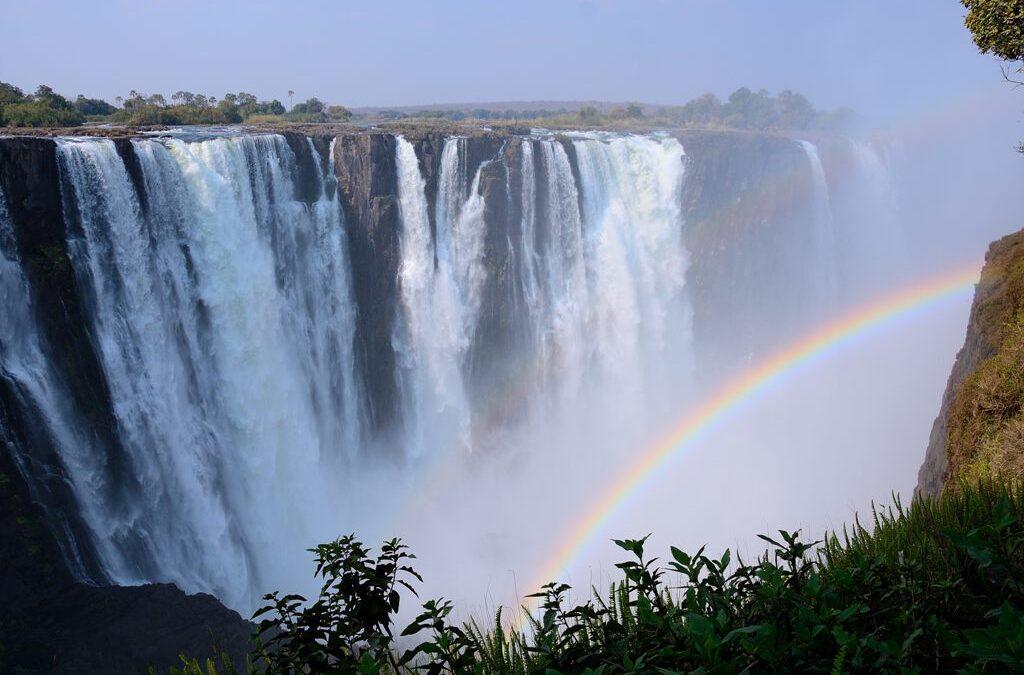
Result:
<point x="882" y="57"/>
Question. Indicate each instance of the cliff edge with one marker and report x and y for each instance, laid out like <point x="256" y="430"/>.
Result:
<point x="980" y="428"/>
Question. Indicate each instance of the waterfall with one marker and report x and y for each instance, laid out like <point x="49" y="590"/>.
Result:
<point x="26" y="367"/>
<point x="217" y="287"/>
<point x="826" y="253"/>
<point x="223" y="322"/>
<point x="636" y="260"/>
<point x="439" y="285"/>
<point x="603" y="284"/>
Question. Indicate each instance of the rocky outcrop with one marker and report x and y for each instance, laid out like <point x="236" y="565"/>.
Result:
<point x="743" y="195"/>
<point x="51" y="623"/>
<point x="979" y="427"/>
<point x="30" y="182"/>
<point x="498" y="340"/>
<point x="368" y="184"/>
<point x="367" y="178"/>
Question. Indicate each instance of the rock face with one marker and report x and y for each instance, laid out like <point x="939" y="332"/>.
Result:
<point x="30" y="181"/>
<point x="52" y="622"/>
<point x="368" y="184"/>
<point x="59" y="613"/>
<point x="367" y="178"/>
<point x="979" y="423"/>
<point x="743" y="193"/>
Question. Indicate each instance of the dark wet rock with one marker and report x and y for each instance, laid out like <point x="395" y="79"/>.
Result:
<point x="743" y="193"/>
<point x="368" y="184"/>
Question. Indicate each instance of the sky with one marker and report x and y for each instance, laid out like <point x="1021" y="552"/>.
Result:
<point x="885" y="59"/>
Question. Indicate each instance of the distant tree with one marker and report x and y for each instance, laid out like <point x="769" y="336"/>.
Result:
<point x="246" y="103"/>
<point x="228" y="109"/>
<point x="589" y="115"/>
<point x="10" y="94"/>
<point x="339" y="113"/>
<point x="290" y="95"/>
<point x="631" y="111"/>
<point x="93" y="106"/>
<point x="270" y="108"/>
<point x="45" y="108"/>
<point x="185" y="98"/>
<point x="794" y="111"/>
<point x="314" y="105"/>
<point x="704" y="110"/>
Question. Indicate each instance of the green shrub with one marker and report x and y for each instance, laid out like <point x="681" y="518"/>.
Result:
<point x="936" y="587"/>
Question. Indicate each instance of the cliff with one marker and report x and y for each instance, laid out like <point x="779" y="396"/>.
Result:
<point x="746" y="212"/>
<point x="746" y="219"/>
<point x="979" y="431"/>
<point x="58" y="615"/>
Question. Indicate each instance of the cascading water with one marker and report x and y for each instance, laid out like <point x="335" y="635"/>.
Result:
<point x="218" y="290"/>
<point x="224" y="325"/>
<point x="826" y="253"/>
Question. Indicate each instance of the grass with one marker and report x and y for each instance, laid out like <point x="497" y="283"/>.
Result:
<point x="986" y="421"/>
<point x="936" y="586"/>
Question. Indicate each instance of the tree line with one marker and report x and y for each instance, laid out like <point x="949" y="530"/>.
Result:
<point x="744" y="109"/>
<point x="46" y="108"/>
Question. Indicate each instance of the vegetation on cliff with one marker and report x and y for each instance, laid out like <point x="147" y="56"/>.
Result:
<point x="986" y="420"/>
<point x="933" y="587"/>
<point x="744" y="109"/>
<point x="44" y="108"/>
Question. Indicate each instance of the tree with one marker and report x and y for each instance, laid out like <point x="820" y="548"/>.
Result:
<point x="185" y="98"/>
<point x="794" y="110"/>
<point x="270" y="108"/>
<point x="339" y="113"/>
<point x="291" y="93"/>
<point x="10" y="94"/>
<point x="589" y="114"/>
<point x="997" y="27"/>
<point x="314" y="105"/>
<point x="93" y="106"/>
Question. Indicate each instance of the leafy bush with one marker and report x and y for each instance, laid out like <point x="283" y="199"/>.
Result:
<point x="45" y="108"/>
<point x="936" y="587"/>
<point x="93" y="106"/>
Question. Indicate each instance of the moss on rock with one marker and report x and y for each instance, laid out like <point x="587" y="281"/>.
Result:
<point x="986" y="418"/>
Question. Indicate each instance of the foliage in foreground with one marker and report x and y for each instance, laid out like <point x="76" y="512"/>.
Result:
<point x="933" y="587"/>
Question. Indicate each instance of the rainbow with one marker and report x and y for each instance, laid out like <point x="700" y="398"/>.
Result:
<point x="740" y="390"/>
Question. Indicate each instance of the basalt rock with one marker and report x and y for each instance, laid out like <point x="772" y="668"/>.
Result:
<point x="368" y="183"/>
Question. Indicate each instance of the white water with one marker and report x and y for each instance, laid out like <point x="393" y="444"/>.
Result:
<point x="25" y="364"/>
<point x="826" y="254"/>
<point x="224" y="326"/>
<point x="222" y="314"/>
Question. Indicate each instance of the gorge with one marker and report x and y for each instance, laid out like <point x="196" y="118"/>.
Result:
<point x="220" y="348"/>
